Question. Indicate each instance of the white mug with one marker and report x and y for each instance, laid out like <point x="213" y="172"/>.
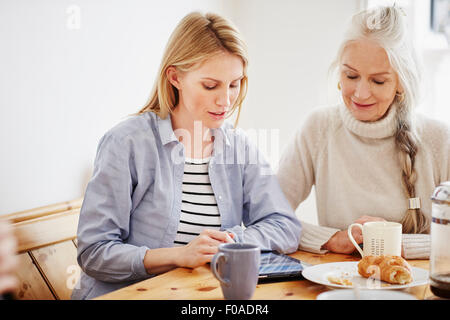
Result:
<point x="379" y="238"/>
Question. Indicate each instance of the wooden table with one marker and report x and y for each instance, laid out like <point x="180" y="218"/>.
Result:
<point x="200" y="284"/>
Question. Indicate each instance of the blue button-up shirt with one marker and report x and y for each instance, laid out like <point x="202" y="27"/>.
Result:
<point x="132" y="203"/>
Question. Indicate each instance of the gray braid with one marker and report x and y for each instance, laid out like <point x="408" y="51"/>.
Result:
<point x="414" y="220"/>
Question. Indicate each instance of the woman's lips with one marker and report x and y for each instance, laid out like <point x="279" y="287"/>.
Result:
<point x="217" y="115"/>
<point x="360" y="105"/>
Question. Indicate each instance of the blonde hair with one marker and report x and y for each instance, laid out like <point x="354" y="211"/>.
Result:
<point x="196" y="38"/>
<point x="387" y="27"/>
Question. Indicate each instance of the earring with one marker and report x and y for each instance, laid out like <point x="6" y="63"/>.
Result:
<point x="339" y="86"/>
<point x="401" y="96"/>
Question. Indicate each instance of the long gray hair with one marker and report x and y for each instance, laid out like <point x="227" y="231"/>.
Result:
<point x="387" y="27"/>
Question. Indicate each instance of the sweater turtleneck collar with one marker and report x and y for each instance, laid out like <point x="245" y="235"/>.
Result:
<point x="376" y="130"/>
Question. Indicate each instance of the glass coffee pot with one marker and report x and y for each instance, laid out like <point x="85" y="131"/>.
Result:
<point x="440" y="241"/>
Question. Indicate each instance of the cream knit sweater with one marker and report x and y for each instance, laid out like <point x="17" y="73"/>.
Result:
<point x="355" y="170"/>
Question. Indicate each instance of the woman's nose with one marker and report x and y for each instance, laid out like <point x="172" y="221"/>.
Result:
<point x="223" y="98"/>
<point x="362" y="90"/>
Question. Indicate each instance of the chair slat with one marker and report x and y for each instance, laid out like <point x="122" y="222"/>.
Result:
<point x="46" y="238"/>
<point x="58" y="263"/>
<point x="43" y="211"/>
<point x="32" y="285"/>
<point x="43" y="231"/>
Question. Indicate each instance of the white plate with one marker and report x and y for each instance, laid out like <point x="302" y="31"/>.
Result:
<point x="349" y="270"/>
<point x="346" y="294"/>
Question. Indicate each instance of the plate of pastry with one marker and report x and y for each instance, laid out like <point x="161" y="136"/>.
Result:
<point x="371" y="272"/>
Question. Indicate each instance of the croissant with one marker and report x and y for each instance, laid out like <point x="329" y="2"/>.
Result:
<point x="392" y="269"/>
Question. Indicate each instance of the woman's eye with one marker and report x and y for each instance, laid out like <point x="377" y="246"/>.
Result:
<point x="234" y="86"/>
<point x="208" y="87"/>
<point x="378" y="82"/>
<point x="352" y="77"/>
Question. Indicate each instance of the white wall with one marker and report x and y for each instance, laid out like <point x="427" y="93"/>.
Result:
<point x="65" y="80"/>
<point x="63" y="86"/>
<point x="434" y="54"/>
<point x="291" y="46"/>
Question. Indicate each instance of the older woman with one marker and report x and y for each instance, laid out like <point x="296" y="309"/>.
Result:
<point x="370" y="157"/>
<point x="174" y="181"/>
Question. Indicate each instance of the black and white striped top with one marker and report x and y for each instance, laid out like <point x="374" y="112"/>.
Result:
<point x="199" y="207"/>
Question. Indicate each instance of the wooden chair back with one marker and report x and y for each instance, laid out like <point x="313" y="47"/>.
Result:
<point x="47" y="250"/>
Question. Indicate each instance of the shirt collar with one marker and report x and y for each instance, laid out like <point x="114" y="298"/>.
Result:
<point x="380" y="129"/>
<point x="167" y="135"/>
<point x="165" y="130"/>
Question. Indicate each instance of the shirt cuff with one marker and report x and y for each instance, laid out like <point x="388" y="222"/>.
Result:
<point x="238" y="233"/>
<point x="138" y="267"/>
<point x="314" y="237"/>
<point x="416" y="246"/>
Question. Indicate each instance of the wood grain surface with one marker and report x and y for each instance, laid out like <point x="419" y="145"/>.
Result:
<point x="200" y="284"/>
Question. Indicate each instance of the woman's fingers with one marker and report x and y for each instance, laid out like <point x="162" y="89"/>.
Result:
<point x="229" y="237"/>
<point x="364" y="219"/>
<point x="206" y="239"/>
<point x="208" y="258"/>
<point x="357" y="235"/>
<point x="209" y="249"/>
<point x="221" y="236"/>
<point x="201" y="250"/>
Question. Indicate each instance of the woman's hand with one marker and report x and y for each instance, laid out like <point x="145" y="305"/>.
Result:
<point x="201" y="250"/>
<point x="364" y="219"/>
<point x="340" y="242"/>
<point x="196" y="253"/>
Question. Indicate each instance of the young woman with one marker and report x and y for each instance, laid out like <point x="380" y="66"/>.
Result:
<point x="174" y="181"/>
<point x="370" y="157"/>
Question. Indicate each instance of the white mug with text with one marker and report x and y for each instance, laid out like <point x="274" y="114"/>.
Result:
<point x="379" y="238"/>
